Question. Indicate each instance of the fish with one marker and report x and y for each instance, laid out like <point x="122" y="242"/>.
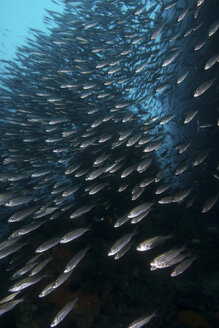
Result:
<point x="11" y="249"/>
<point x="212" y="61"/>
<point x="18" y="201"/>
<point x="161" y="189"/>
<point x="209" y="203"/>
<point x="170" y="59"/>
<point x="168" y="258"/>
<point x="121" y="243"/>
<point x="48" y="244"/>
<point x="75" y="260"/>
<point x="142" y="321"/>
<point x="152" y="242"/>
<point x="122" y="252"/>
<point x="58" y="282"/>
<point x="142" y="166"/>
<point x="138" y="218"/>
<point x="182" y="15"/>
<point x="168" y="117"/>
<point x="26" y="282"/>
<point x="80" y="211"/>
<point x="22" y="214"/>
<point x="40" y="266"/>
<point x="180" y="268"/>
<point x="73" y="235"/>
<point x="182" y="77"/>
<point x="213" y="28"/>
<point x="63" y="312"/>
<point x="181" y="195"/>
<point x="121" y="220"/>
<point x="203" y="87"/>
<point x="157" y="31"/>
<point x="26" y="229"/>
<point x="23" y="270"/>
<point x="139" y="210"/>
<point x="8" y="298"/>
<point x="189" y="115"/>
<point x="200" y="158"/>
<point x="154" y="145"/>
<point x="47" y="290"/>
<point x="182" y="167"/>
<point x="9" y="305"/>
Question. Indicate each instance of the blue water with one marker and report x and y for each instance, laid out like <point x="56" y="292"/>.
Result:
<point x="16" y="19"/>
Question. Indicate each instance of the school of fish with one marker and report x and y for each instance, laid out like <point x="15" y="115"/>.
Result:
<point x="107" y="120"/>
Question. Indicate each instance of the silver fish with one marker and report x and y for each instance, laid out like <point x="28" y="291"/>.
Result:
<point x="8" y="242"/>
<point x="11" y="249"/>
<point x="95" y="174"/>
<point x="189" y="115"/>
<point x="97" y="188"/>
<point x="170" y="59"/>
<point x="165" y="259"/>
<point x="139" y="210"/>
<point x="63" y="312"/>
<point x="128" y="171"/>
<point x="213" y="28"/>
<point x="203" y="87"/>
<point x="182" y="167"/>
<point x="180" y="268"/>
<point x="121" y="220"/>
<point x="73" y="235"/>
<point x="8" y="298"/>
<point x="157" y="32"/>
<point x="152" y="242"/>
<point x="61" y="279"/>
<point x="159" y="190"/>
<point x="23" y="270"/>
<point x="167" y="118"/>
<point x="122" y="252"/>
<point x="182" y="77"/>
<point x="122" y="242"/>
<point x="200" y="158"/>
<point x="154" y="145"/>
<point x="47" y="290"/>
<point x="137" y="193"/>
<point x="22" y="214"/>
<point x="141" y="216"/>
<point x="81" y="211"/>
<point x="140" y="322"/>
<point x="212" y="61"/>
<point x="26" y="282"/>
<point x="166" y="200"/>
<point x="209" y="203"/>
<point x="37" y="268"/>
<point x="147" y="182"/>
<point x="142" y="166"/>
<point x="9" y="305"/>
<point x="18" y="201"/>
<point x="47" y="245"/>
<point x="182" y="15"/>
<point x="75" y="260"/>
<point x="181" y="195"/>
<point x="26" y="229"/>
